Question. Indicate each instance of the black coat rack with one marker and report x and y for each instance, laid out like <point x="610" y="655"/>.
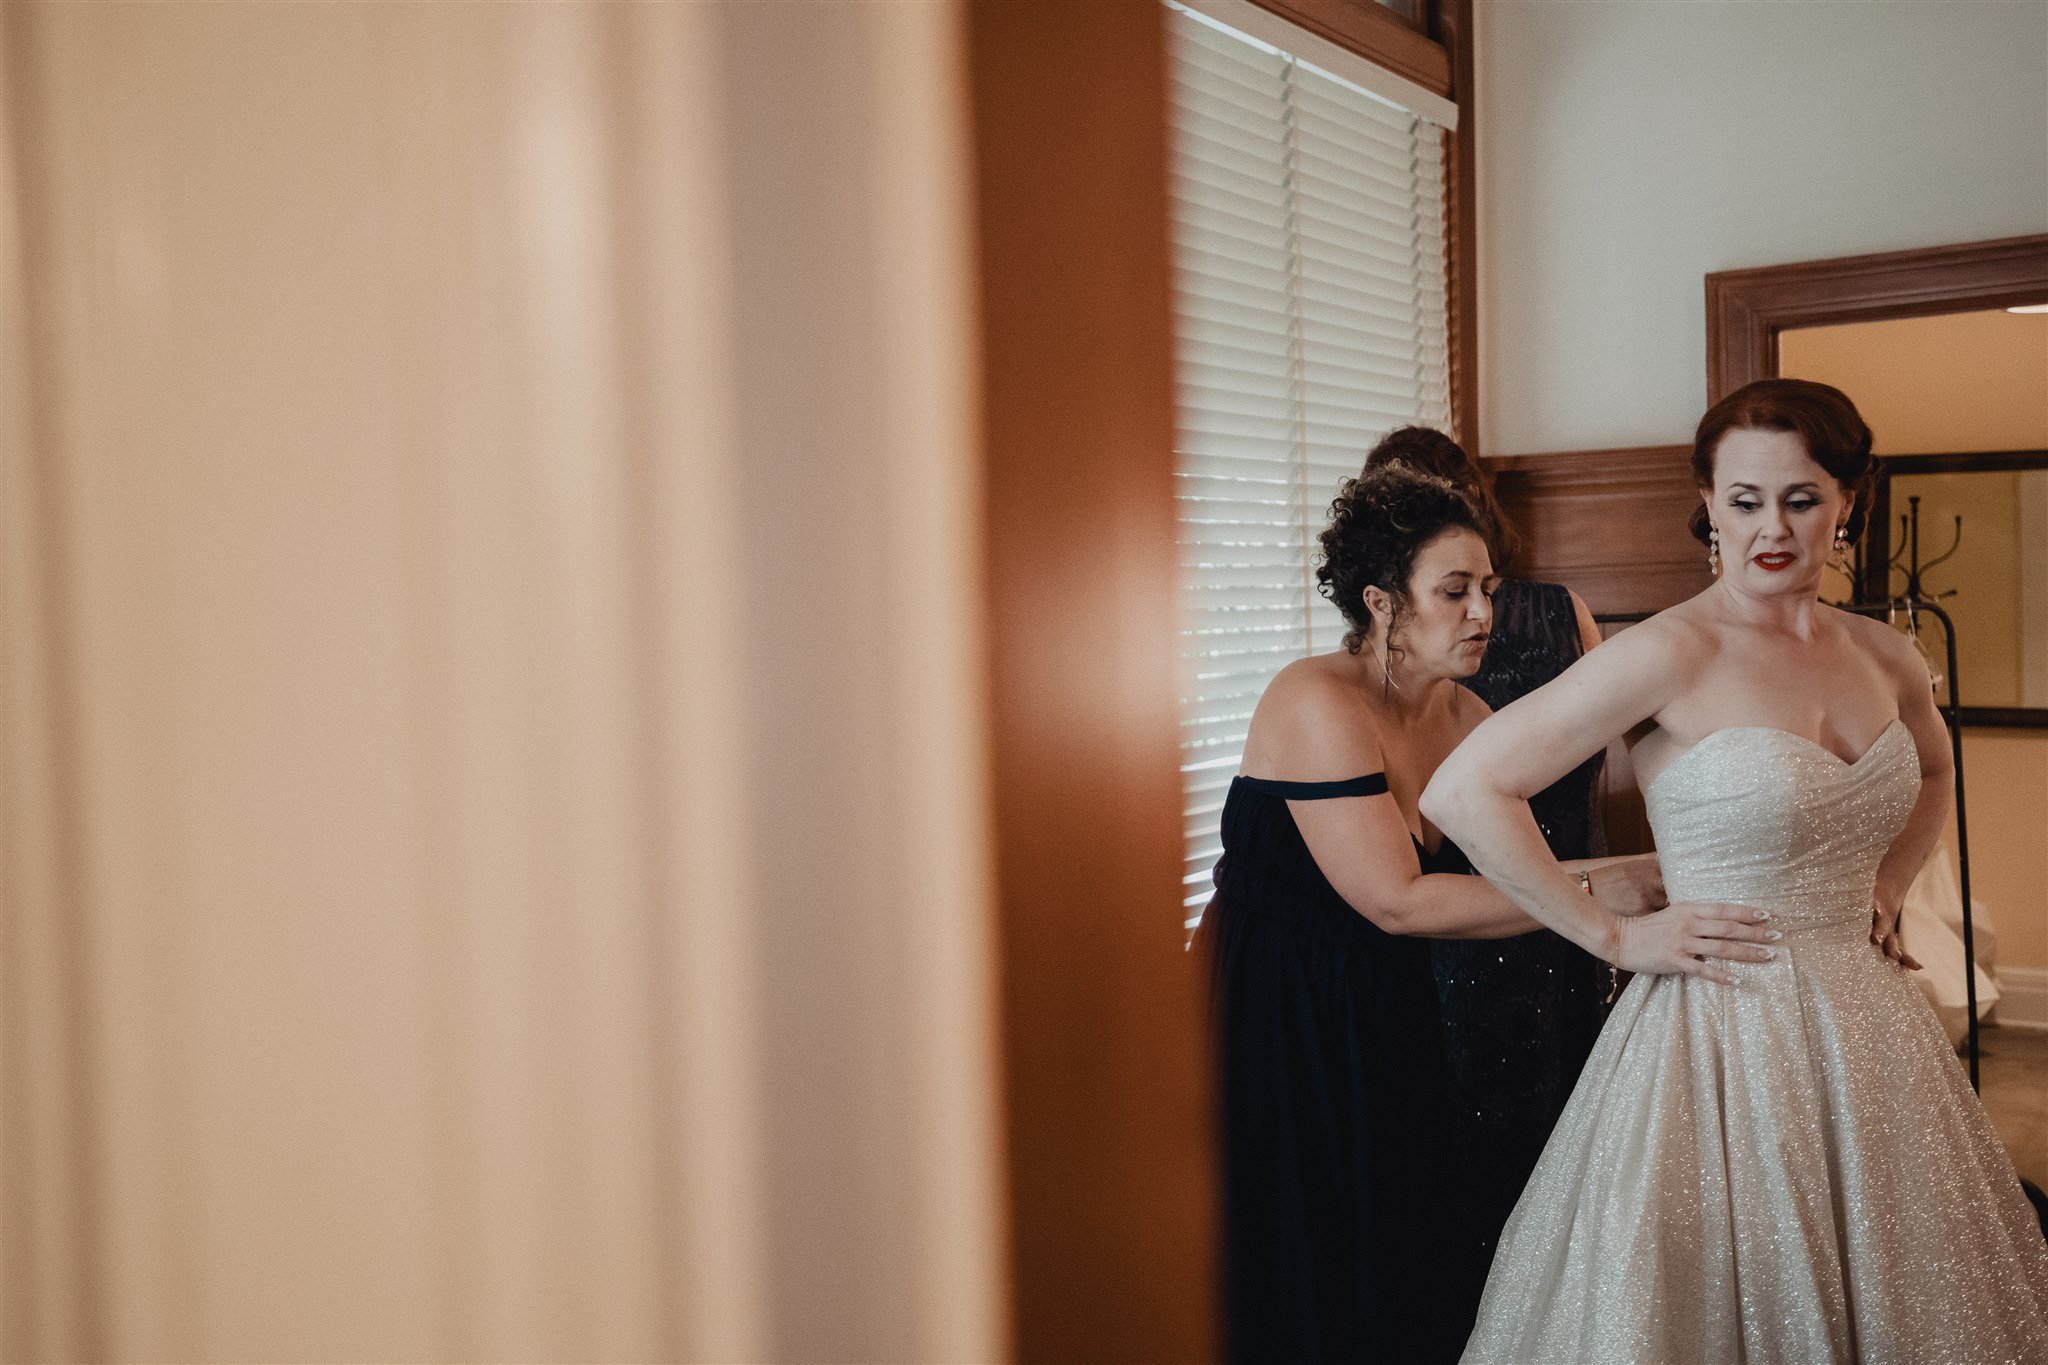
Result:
<point x="1915" y="601"/>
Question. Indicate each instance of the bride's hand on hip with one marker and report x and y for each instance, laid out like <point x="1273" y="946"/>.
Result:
<point x="1884" y="932"/>
<point x="1632" y="886"/>
<point x="1695" y="938"/>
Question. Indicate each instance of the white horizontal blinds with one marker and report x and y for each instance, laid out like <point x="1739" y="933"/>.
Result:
<point x="1239" y="383"/>
<point x="1310" y="320"/>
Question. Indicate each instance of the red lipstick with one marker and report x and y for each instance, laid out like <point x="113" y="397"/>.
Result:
<point x="1774" y="561"/>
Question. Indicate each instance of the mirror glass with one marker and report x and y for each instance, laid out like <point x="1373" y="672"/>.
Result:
<point x="1958" y="405"/>
<point x="1995" y="583"/>
<point x="1954" y="386"/>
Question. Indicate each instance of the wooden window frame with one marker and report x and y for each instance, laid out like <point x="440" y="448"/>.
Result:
<point x="1442" y="64"/>
<point x="1375" y="33"/>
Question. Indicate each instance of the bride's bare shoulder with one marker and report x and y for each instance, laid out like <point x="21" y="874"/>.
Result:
<point x="1889" y="647"/>
<point x="1680" y="635"/>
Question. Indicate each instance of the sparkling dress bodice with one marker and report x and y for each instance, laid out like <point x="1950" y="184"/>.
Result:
<point x="1791" y="1169"/>
<point x="1763" y="817"/>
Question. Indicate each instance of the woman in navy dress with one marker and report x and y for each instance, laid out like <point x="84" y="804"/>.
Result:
<point x="1519" y="1014"/>
<point x="1347" y="1232"/>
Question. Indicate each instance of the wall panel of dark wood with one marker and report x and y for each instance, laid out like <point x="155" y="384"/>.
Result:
<point x="1611" y="526"/>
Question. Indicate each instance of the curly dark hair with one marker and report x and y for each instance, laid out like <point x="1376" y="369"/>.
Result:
<point x="1820" y="415"/>
<point x="1434" y="452"/>
<point x="1378" y="523"/>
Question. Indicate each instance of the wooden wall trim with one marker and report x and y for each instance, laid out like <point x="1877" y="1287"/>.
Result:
<point x="1609" y="524"/>
<point x="1571" y="467"/>
<point x="1375" y="33"/>
<point x="1746" y="309"/>
<point x="1111" y="1182"/>
<point x="1462" y="229"/>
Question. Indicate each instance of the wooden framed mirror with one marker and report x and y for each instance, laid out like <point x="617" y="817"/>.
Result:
<point x="1955" y="387"/>
<point x="1946" y="351"/>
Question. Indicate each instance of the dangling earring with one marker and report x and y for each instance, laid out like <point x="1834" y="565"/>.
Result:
<point x="1387" y="670"/>
<point x="1840" y="560"/>
<point x="1714" y="550"/>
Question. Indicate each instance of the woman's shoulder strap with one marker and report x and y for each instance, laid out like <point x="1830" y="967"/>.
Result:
<point x="1371" y="784"/>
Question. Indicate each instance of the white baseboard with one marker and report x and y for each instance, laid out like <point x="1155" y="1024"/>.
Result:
<point x="2022" y="998"/>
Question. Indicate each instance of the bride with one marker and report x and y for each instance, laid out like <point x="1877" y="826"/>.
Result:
<point x="1785" y="1163"/>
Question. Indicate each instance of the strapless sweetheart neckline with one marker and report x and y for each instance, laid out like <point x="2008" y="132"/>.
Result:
<point x="1850" y="764"/>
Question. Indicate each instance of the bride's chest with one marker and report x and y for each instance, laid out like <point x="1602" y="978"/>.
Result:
<point x="1758" y="793"/>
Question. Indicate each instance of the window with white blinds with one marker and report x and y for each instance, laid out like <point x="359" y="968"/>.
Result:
<point x="1311" y="319"/>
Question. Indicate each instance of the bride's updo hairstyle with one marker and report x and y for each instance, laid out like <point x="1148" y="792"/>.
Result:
<point x="1378" y="524"/>
<point x="1432" y="452"/>
<point x="1821" y="415"/>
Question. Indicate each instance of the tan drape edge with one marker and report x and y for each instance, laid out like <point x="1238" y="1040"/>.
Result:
<point x="495" y="830"/>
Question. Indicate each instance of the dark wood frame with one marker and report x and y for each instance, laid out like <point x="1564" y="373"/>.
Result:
<point x="1455" y="23"/>
<point x="1375" y="33"/>
<point x="1747" y="309"/>
<point x="1438" y="59"/>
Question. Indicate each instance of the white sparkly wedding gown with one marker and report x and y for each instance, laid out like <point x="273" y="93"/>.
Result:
<point x="1793" y="1169"/>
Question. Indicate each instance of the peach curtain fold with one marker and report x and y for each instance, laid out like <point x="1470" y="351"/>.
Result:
<point x="495" y="836"/>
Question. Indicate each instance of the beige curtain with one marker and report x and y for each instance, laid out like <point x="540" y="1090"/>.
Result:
<point x="494" y="829"/>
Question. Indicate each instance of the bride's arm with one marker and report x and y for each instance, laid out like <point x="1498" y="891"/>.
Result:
<point x="1479" y="798"/>
<point x="1910" y="851"/>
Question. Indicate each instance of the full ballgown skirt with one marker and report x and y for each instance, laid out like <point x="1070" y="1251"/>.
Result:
<point x="1792" y="1169"/>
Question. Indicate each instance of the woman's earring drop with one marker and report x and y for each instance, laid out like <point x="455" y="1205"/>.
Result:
<point x="1714" y="550"/>
<point x="1841" y="555"/>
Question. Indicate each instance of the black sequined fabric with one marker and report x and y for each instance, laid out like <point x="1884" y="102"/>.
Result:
<point x="1520" y="1014"/>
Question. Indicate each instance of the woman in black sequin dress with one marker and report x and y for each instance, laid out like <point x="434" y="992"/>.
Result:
<point x="1519" y="1014"/>
<point x="1347" y="1224"/>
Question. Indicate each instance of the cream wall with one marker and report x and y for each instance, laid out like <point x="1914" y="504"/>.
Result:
<point x="2007" y="773"/>
<point x="1628" y="149"/>
<point x="494" y="838"/>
